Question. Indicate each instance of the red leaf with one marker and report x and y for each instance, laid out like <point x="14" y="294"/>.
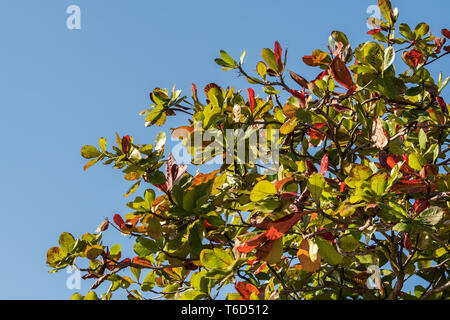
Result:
<point x="316" y="134"/>
<point x="280" y="226"/>
<point x="441" y="102"/>
<point x="246" y="289"/>
<point x="251" y="98"/>
<point x="300" y="96"/>
<point x="373" y="31"/>
<point x="340" y="73"/>
<point x="446" y="33"/>
<point x="324" y="165"/>
<point x="310" y="167"/>
<point x="414" y="58"/>
<point x="126" y="144"/>
<point x="278" y="53"/>
<point x="321" y="75"/>
<point x="194" y="91"/>
<point x="162" y="187"/>
<point x="412" y="186"/>
<point x="343" y="187"/>
<point x="118" y="220"/>
<point x="209" y="226"/>
<point x="260" y="268"/>
<point x="419" y="206"/>
<point x="327" y="235"/>
<point x="439" y="44"/>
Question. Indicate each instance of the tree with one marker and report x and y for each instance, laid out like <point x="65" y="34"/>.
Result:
<point x="349" y="199"/>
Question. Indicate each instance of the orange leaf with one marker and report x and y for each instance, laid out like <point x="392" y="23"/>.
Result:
<point x="251" y="244"/>
<point x="182" y="132"/>
<point x="279" y="184"/>
<point x="279" y="227"/>
<point x="246" y="289"/>
<point x="203" y="178"/>
<point x="142" y="262"/>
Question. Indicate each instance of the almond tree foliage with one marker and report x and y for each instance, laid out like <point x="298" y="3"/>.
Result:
<point x="362" y="184"/>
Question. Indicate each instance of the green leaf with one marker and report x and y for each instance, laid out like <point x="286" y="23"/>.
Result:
<point x="149" y="281"/>
<point x="339" y="36"/>
<point x="386" y="10"/>
<point x="193" y="295"/>
<point x="215" y="259"/>
<point x="149" y="196"/>
<point x="91" y="295"/>
<point x="391" y="87"/>
<point x="76" y="296"/>
<point x="199" y="281"/>
<point x="269" y="57"/>
<point x="227" y="59"/>
<point x="132" y="189"/>
<point x="421" y="30"/>
<point x="289" y="126"/>
<point x="156" y="116"/>
<point x="316" y="183"/>
<point x="402" y="227"/>
<point x="89" y="152"/>
<point x="431" y="216"/>
<point x="405" y="30"/>
<point x="328" y="252"/>
<point x="261" y="68"/>
<point x="389" y="57"/>
<point x="66" y="242"/>
<point x="195" y="237"/>
<point x="160" y="141"/>
<point x="416" y="161"/>
<point x="93" y="252"/>
<point x="422" y="140"/>
<point x="54" y="255"/>
<point x="145" y="247"/>
<point x="102" y="144"/>
<point x="262" y="190"/>
<point x="379" y="183"/>
<point x="115" y="249"/>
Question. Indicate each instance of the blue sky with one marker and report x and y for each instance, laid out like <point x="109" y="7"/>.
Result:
<point x="61" y="89"/>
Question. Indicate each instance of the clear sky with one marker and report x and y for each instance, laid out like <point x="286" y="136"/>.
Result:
<point x="61" y="89"/>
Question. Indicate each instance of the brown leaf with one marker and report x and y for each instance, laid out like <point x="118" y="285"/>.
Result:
<point x="305" y="260"/>
<point x="299" y="79"/>
<point x="103" y="226"/>
<point x="340" y="73"/>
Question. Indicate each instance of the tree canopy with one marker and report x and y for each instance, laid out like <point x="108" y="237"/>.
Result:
<point x="348" y="199"/>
